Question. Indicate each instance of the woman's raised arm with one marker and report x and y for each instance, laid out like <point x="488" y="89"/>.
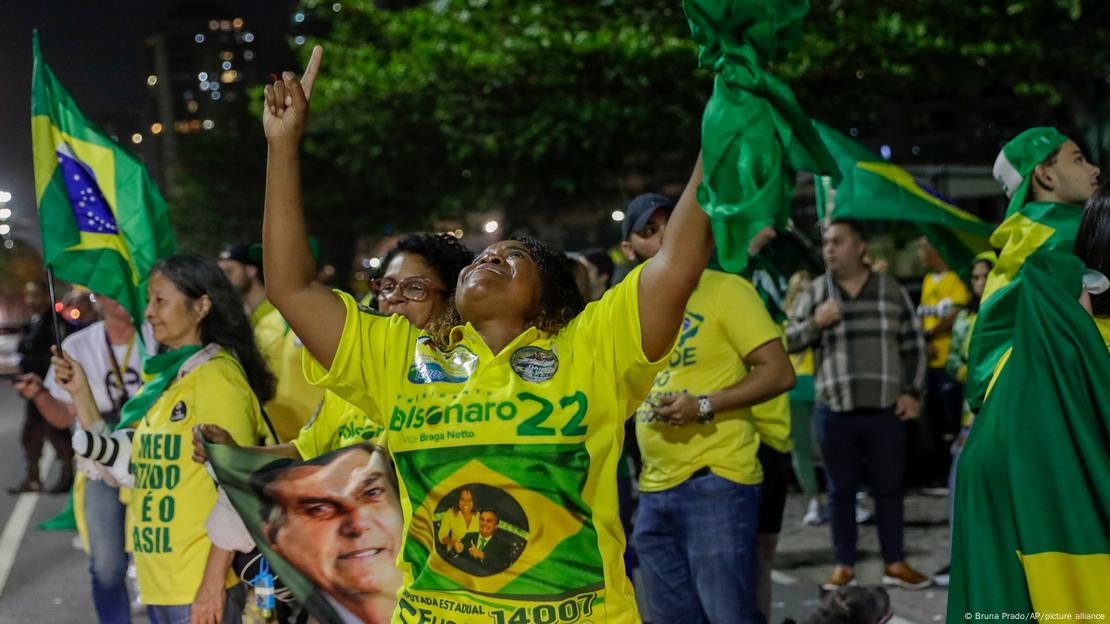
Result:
<point x="667" y="282"/>
<point x="314" y="313"/>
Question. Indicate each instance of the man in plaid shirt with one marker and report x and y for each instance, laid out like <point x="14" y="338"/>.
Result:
<point x="869" y="372"/>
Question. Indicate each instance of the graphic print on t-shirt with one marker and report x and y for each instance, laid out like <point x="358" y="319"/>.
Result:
<point x="544" y="541"/>
<point x="501" y="536"/>
<point x="430" y="364"/>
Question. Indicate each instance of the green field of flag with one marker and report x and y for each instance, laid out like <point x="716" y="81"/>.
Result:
<point x="104" y="222"/>
<point x="875" y="190"/>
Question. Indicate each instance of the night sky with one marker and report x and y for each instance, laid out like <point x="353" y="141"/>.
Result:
<point x="96" y="50"/>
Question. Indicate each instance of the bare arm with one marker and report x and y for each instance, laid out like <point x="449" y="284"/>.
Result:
<point x="770" y="374"/>
<point x="667" y="282"/>
<point x="314" y="312"/>
<point x="70" y="376"/>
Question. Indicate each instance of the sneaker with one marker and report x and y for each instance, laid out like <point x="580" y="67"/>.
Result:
<point x="815" y="513"/>
<point x="940" y="579"/>
<point x="841" y="576"/>
<point x="901" y="575"/>
<point x="863" y="514"/>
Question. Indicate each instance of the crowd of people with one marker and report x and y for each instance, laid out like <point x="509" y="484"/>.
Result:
<point x="514" y="395"/>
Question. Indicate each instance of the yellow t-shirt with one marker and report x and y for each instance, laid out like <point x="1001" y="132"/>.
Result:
<point x="941" y="294"/>
<point x="335" y="425"/>
<point x="295" y="400"/>
<point x="725" y="321"/>
<point x="534" y="432"/>
<point x="173" y="495"/>
<point x="772" y="423"/>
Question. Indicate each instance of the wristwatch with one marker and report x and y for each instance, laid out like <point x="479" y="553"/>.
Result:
<point x="705" y="409"/>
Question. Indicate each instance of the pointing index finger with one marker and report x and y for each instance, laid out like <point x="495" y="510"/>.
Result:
<point x="310" y="72"/>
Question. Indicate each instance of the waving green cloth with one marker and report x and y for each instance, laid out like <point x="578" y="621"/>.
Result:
<point x="754" y="133"/>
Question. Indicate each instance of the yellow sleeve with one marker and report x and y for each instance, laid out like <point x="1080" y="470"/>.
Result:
<point x="610" y="328"/>
<point x="446" y="524"/>
<point x="374" y="351"/>
<point x="313" y="436"/>
<point x="222" y="397"/>
<point x="954" y="290"/>
<point x="747" y="323"/>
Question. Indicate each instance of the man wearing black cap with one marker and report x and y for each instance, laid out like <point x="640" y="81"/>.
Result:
<point x="295" y="400"/>
<point x="244" y="270"/>
<point x="695" y="531"/>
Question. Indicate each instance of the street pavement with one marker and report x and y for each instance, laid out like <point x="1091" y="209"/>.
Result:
<point x="49" y="580"/>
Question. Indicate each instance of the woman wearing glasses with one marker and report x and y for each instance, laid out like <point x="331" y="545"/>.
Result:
<point x="417" y="280"/>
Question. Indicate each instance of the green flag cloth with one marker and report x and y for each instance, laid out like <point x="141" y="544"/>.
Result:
<point x="754" y="133"/>
<point x="161" y="369"/>
<point x="103" y="221"/>
<point x="1035" y="226"/>
<point x="875" y="190"/>
<point x="64" y="520"/>
<point x="1033" y="483"/>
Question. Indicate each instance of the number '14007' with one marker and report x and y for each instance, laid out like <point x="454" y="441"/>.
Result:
<point x="565" y="612"/>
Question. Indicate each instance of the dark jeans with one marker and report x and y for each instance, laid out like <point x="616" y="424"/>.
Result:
<point x="104" y="516"/>
<point x="696" y="545"/>
<point x="869" y="442"/>
<point x="36" y="432"/>
<point x="944" y="398"/>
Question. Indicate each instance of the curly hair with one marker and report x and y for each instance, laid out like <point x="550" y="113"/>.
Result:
<point x="560" y="299"/>
<point x="444" y="253"/>
<point x="226" y="323"/>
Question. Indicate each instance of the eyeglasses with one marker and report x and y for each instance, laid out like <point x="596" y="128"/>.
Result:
<point x="411" y="288"/>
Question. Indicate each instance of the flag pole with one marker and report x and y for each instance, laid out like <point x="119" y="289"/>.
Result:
<point x="53" y="306"/>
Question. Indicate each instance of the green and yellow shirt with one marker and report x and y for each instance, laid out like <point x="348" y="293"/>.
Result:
<point x="534" y="432"/>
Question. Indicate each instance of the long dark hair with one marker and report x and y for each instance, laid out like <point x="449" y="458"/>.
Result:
<point x="1092" y="243"/>
<point x="973" y="305"/>
<point x="226" y="323"/>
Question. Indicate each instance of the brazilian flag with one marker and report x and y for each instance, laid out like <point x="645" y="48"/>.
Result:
<point x="1033" y="482"/>
<point x="104" y="223"/>
<point x="875" y="190"/>
<point x="1034" y="227"/>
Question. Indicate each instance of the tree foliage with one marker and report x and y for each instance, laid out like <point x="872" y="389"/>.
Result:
<point x="542" y="108"/>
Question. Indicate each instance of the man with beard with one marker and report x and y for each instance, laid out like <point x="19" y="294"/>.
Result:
<point x="695" y="532"/>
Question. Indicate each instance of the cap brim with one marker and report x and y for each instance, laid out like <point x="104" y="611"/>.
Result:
<point x="643" y="219"/>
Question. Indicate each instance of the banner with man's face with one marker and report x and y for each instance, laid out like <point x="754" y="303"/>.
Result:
<point x="330" y="527"/>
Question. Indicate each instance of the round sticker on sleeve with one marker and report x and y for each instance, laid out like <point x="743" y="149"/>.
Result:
<point x="480" y="529"/>
<point x="534" y="364"/>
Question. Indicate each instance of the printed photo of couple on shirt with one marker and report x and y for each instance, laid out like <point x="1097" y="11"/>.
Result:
<point x="480" y="529"/>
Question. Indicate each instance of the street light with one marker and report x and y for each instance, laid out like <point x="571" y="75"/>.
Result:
<point x="5" y="197"/>
<point x="491" y="226"/>
<point x="5" y="229"/>
<point x="617" y="215"/>
<point x="5" y="213"/>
